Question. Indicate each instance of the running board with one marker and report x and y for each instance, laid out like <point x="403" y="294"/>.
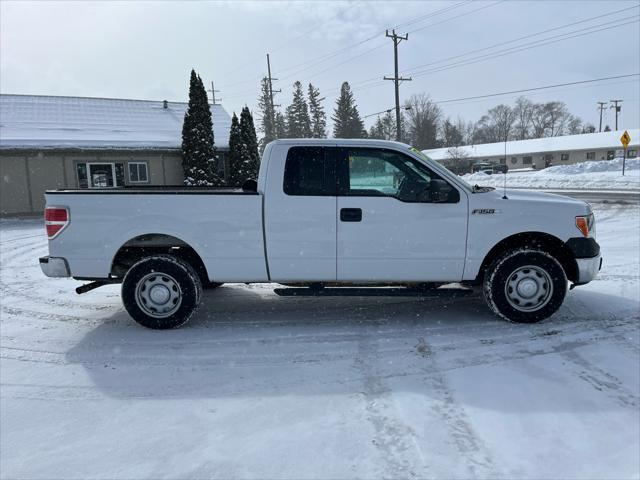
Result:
<point x="372" y="292"/>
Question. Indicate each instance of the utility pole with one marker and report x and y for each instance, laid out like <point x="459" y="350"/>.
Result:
<point x="601" y="107"/>
<point x="270" y="80"/>
<point x="396" y="79"/>
<point x="617" y="109"/>
<point x="213" y="95"/>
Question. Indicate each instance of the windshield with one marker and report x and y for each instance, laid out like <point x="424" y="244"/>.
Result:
<point x="426" y="159"/>
<point x="474" y="188"/>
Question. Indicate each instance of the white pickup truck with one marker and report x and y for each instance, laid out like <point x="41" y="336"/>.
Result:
<point x="324" y="213"/>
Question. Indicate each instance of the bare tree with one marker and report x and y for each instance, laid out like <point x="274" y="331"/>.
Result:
<point x="558" y="115"/>
<point x="423" y="119"/>
<point x="574" y="125"/>
<point x="539" y="121"/>
<point x="451" y="134"/>
<point x="523" y="111"/>
<point x="496" y="125"/>
<point x="457" y="160"/>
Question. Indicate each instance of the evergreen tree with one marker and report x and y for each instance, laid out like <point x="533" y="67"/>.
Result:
<point x="267" y="123"/>
<point x="250" y="158"/>
<point x="316" y="112"/>
<point x="198" y="149"/>
<point x="281" y="126"/>
<point x="298" y="121"/>
<point x="385" y="127"/>
<point x="235" y="153"/>
<point x="347" y="121"/>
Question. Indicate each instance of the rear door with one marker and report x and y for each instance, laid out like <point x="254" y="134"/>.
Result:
<point x="300" y="214"/>
<point x="390" y="228"/>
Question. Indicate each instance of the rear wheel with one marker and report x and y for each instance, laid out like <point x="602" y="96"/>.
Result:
<point x="161" y="292"/>
<point x="525" y="285"/>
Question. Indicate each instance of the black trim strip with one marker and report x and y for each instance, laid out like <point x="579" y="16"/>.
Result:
<point x="583" y="247"/>
<point x="152" y="191"/>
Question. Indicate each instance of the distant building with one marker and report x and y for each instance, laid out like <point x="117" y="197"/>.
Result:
<point x="544" y="152"/>
<point x="51" y="142"/>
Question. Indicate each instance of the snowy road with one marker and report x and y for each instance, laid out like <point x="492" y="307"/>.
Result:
<point x="259" y="386"/>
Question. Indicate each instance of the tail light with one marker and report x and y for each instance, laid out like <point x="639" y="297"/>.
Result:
<point x="55" y="220"/>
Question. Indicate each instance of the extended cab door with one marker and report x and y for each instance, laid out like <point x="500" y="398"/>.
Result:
<point x="300" y="214"/>
<point x="397" y="219"/>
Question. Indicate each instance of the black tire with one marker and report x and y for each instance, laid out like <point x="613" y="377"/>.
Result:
<point x="513" y="300"/>
<point x="211" y="285"/>
<point x="166" y="275"/>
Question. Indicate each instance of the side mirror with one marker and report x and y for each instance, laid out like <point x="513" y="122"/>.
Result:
<point x="441" y="192"/>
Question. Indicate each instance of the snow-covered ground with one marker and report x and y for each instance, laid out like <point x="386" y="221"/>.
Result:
<point x="597" y="175"/>
<point x="259" y="386"/>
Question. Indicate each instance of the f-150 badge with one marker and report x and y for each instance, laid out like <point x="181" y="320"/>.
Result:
<point x="484" y="211"/>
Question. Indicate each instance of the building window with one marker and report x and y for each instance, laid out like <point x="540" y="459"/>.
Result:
<point x="564" y="157"/>
<point x="514" y="160"/>
<point x="100" y="175"/>
<point x="138" y="172"/>
<point x="611" y="154"/>
<point x="527" y="160"/>
<point x="591" y="155"/>
<point x="632" y="153"/>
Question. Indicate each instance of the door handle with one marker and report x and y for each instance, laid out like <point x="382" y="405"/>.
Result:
<point x="350" y="214"/>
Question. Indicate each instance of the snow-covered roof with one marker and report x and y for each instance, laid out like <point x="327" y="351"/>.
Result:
<point x="46" y="122"/>
<point x="585" y="141"/>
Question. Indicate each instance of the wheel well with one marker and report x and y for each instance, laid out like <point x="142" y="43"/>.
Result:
<point x="538" y="240"/>
<point x="152" y="244"/>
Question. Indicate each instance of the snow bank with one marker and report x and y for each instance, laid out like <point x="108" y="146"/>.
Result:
<point x="604" y="174"/>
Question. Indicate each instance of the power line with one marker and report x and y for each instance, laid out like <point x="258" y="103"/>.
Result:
<point x="286" y="44"/>
<point x="362" y="83"/>
<point x="502" y="53"/>
<point x="416" y="67"/>
<point x="528" y="46"/>
<point x="327" y="56"/>
<point x="511" y="92"/>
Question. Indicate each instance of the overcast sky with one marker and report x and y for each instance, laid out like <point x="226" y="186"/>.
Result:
<point x="145" y="50"/>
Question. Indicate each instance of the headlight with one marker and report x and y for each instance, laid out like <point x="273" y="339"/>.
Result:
<point x="585" y="224"/>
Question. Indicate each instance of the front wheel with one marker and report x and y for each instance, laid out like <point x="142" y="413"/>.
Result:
<point x="525" y="285"/>
<point x="161" y="292"/>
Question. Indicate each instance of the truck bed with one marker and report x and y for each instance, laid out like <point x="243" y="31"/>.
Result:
<point x="222" y="225"/>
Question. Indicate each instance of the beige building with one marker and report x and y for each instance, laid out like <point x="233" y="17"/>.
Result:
<point x="544" y="152"/>
<point x="70" y="142"/>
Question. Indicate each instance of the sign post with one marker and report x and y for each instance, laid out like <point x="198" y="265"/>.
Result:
<point x="625" y="139"/>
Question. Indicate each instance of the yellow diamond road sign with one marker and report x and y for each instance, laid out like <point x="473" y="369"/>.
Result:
<point x="625" y="139"/>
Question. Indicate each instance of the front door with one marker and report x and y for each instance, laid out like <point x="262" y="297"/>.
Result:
<point x="390" y="226"/>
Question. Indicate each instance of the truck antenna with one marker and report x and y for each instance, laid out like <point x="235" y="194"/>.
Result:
<point x="504" y="196"/>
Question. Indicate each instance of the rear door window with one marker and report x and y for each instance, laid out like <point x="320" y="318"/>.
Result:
<point x="308" y="172"/>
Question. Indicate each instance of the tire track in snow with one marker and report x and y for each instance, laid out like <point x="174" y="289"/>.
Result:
<point x="602" y="380"/>
<point x="394" y="440"/>
<point x="473" y="452"/>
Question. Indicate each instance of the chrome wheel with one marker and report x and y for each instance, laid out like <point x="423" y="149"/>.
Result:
<point x="158" y="295"/>
<point x="529" y="288"/>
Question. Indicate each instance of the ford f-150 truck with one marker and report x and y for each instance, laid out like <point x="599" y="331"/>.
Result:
<point x="324" y="212"/>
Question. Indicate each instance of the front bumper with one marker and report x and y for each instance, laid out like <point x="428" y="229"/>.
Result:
<point x="588" y="268"/>
<point x="56" y="267"/>
<point x="586" y="252"/>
